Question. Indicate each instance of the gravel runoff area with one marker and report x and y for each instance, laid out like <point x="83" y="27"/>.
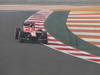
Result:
<point x="53" y="7"/>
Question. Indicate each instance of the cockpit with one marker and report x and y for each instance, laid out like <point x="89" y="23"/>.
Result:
<point x="29" y="24"/>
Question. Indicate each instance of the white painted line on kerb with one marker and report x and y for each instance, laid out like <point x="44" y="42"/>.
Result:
<point x="98" y="45"/>
<point x="86" y="33"/>
<point x="88" y="57"/>
<point x="69" y="23"/>
<point x="39" y="26"/>
<point x="83" y="12"/>
<point x="84" y="16"/>
<point x="50" y="37"/>
<point x="39" y="23"/>
<point x="85" y="28"/>
<point x="91" y="40"/>
<point x="56" y="46"/>
<point x="55" y="42"/>
<point x="66" y="51"/>
<point x="83" y="19"/>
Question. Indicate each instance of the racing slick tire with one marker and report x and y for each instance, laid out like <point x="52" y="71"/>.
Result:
<point x="17" y="33"/>
<point x="45" y="38"/>
<point x="21" y="36"/>
<point x="42" y="37"/>
<point x="45" y="41"/>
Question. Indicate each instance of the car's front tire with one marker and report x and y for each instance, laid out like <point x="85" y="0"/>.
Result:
<point x="45" y="38"/>
<point x="21" y="36"/>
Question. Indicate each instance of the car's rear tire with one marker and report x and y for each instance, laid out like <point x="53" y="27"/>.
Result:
<point x="42" y="37"/>
<point x="17" y="33"/>
<point x="45" y="41"/>
<point x="21" y="40"/>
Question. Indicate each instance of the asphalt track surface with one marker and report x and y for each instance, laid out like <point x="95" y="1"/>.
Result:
<point x="33" y="58"/>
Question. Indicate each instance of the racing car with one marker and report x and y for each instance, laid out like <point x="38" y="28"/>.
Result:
<point x="30" y="32"/>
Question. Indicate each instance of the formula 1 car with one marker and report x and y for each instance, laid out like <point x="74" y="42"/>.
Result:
<point x="30" y="32"/>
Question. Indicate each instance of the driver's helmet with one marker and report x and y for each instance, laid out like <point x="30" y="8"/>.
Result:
<point x="32" y="24"/>
<point x="41" y="30"/>
<point x="26" y="24"/>
<point x="29" y="24"/>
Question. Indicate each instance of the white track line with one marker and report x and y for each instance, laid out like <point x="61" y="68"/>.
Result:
<point x="55" y="46"/>
<point x="83" y="20"/>
<point x="98" y="45"/>
<point x="55" y="42"/>
<point x="84" y="16"/>
<point x="87" y="33"/>
<point x="69" y="23"/>
<point x="91" y="40"/>
<point x="83" y="12"/>
<point x="87" y="57"/>
<point x="74" y="51"/>
<point x="84" y="28"/>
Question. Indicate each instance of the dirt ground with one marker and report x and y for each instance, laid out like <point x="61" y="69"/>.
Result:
<point x="52" y="7"/>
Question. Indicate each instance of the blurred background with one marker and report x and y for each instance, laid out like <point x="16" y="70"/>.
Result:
<point x="68" y="2"/>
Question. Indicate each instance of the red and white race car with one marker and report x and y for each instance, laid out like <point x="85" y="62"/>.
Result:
<point x="30" y="32"/>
